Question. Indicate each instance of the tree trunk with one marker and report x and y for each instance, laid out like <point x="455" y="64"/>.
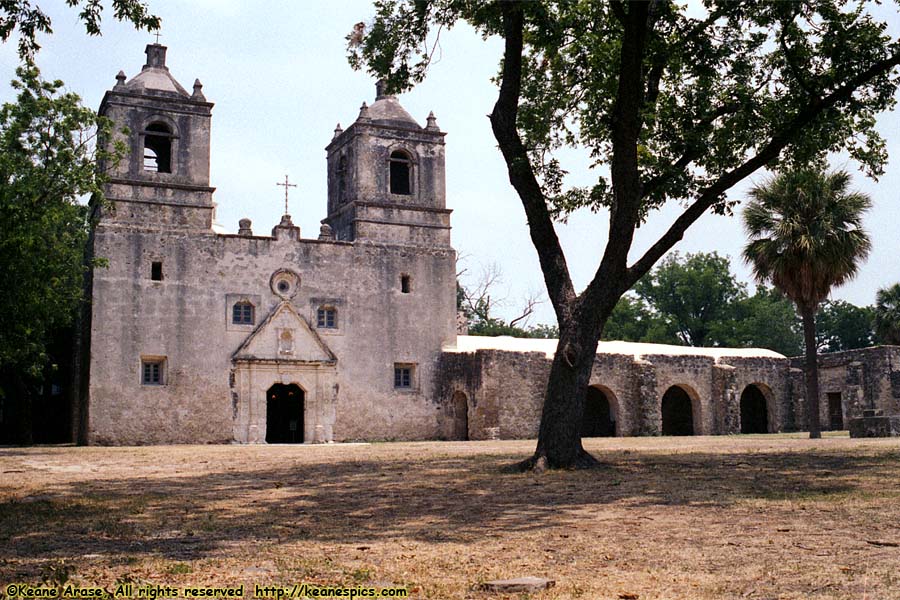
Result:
<point x="812" y="373"/>
<point x="559" y="439"/>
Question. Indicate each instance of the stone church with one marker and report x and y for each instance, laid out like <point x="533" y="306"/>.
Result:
<point x="197" y="336"/>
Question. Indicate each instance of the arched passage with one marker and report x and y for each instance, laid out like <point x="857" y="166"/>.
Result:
<point x="158" y="148"/>
<point x="599" y="416"/>
<point x="459" y="412"/>
<point x="677" y="412"/>
<point x="284" y="414"/>
<point x="754" y="413"/>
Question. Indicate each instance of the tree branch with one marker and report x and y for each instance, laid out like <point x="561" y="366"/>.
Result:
<point x="814" y="108"/>
<point x="521" y="173"/>
<point x="624" y="171"/>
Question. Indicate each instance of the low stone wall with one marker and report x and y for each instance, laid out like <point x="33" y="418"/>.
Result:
<point x="504" y="390"/>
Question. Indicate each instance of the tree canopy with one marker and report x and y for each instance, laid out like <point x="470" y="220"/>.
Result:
<point x="695" y="295"/>
<point x="842" y="326"/>
<point x="887" y="314"/>
<point x="806" y="237"/>
<point x="671" y="106"/>
<point x="47" y="164"/>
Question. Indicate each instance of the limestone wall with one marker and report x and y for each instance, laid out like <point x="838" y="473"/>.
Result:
<point x="505" y="390"/>
<point x="186" y="319"/>
<point x="864" y="378"/>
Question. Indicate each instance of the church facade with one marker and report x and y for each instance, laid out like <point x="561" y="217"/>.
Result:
<point x="195" y="336"/>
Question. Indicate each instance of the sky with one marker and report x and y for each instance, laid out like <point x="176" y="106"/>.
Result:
<point x="280" y="81"/>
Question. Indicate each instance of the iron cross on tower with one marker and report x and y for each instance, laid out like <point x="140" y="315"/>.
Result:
<point x="157" y="34"/>
<point x="286" y="185"/>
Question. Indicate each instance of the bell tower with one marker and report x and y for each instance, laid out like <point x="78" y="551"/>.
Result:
<point x="163" y="179"/>
<point x="386" y="177"/>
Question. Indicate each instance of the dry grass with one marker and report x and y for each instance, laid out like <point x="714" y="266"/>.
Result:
<point x="706" y="517"/>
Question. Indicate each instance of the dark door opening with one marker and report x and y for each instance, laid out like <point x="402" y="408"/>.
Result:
<point x="284" y="414"/>
<point x="677" y="412"/>
<point x="754" y="414"/>
<point x="597" y="418"/>
<point x="835" y="411"/>
<point x="460" y="416"/>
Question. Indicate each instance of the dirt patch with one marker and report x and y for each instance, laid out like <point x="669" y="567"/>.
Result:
<point x="668" y="518"/>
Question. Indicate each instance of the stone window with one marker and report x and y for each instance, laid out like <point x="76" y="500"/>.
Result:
<point x="156" y="273"/>
<point x="401" y="173"/>
<point x="405" y="284"/>
<point x="342" y="179"/>
<point x="153" y="371"/>
<point x="326" y="317"/>
<point x="158" y="148"/>
<point x="242" y="313"/>
<point x="404" y="376"/>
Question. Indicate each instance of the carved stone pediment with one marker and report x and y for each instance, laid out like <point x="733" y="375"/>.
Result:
<point x="284" y="336"/>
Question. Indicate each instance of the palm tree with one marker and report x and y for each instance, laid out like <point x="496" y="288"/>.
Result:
<point x="887" y="314"/>
<point x="805" y="236"/>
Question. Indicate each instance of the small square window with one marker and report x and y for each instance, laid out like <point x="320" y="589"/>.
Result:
<point x="156" y="271"/>
<point x="326" y="317"/>
<point x="403" y="376"/>
<point x="153" y="371"/>
<point x="405" y="284"/>
<point x="242" y="313"/>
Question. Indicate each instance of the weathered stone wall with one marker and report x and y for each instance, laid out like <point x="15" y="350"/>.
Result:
<point x="506" y="390"/>
<point x="185" y="318"/>
<point x="614" y="375"/>
<point x="867" y="378"/>
<point x="771" y="376"/>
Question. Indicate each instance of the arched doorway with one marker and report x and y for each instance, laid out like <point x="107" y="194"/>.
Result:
<point x="459" y="414"/>
<point x="677" y="412"/>
<point x="598" y="418"/>
<point x="754" y="413"/>
<point x="284" y="414"/>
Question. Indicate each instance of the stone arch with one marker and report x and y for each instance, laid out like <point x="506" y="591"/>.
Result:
<point x="459" y="416"/>
<point x="755" y="407"/>
<point x="600" y="415"/>
<point x="285" y="406"/>
<point x="680" y="411"/>
<point x="400" y="172"/>
<point x="158" y="144"/>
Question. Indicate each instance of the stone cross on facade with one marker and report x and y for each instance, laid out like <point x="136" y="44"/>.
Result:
<point x="286" y="185"/>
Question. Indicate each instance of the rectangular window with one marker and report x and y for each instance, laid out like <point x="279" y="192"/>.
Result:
<point x="326" y="317"/>
<point x="403" y="376"/>
<point x="153" y="371"/>
<point x="242" y="314"/>
<point x="156" y="271"/>
<point x="404" y="284"/>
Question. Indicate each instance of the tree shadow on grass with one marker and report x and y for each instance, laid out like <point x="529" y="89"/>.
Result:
<point x="447" y="499"/>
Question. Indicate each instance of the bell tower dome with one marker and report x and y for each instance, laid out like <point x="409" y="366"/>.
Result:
<point x="386" y="177"/>
<point x="163" y="179"/>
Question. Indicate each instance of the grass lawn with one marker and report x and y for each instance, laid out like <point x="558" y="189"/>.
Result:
<point x="770" y="516"/>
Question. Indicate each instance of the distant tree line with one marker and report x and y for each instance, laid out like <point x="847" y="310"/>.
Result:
<point x="695" y="300"/>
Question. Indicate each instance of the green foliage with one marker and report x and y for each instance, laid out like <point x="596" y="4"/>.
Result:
<point x="715" y="89"/>
<point x="767" y="319"/>
<point x="28" y="20"/>
<point x="543" y="331"/>
<point x="680" y="108"/>
<point x="47" y="163"/>
<point x="634" y="320"/>
<point x="694" y="295"/>
<point x="844" y="326"/>
<point x="887" y="314"/>
<point x="805" y="231"/>
<point x="697" y="297"/>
